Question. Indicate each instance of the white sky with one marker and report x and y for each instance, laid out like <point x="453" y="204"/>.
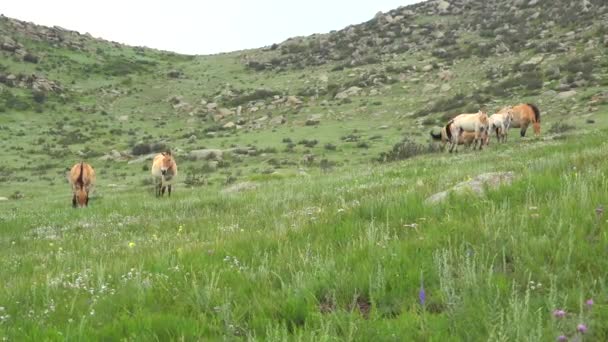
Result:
<point x="198" y="27"/>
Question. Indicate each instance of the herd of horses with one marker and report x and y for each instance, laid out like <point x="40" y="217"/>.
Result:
<point x="464" y="129"/>
<point x="475" y="129"/>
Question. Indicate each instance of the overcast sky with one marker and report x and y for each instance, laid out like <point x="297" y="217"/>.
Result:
<point x="198" y="27"/>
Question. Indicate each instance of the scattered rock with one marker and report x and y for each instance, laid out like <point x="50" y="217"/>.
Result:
<point x="445" y="75"/>
<point x="207" y="154"/>
<point x="293" y="101"/>
<point x="429" y="87"/>
<point x="442" y="6"/>
<point x="314" y="120"/>
<point x="428" y="68"/>
<point x="550" y="93"/>
<point x="2" y="199"/>
<point x="142" y="158"/>
<point x="531" y="63"/>
<point x="175" y="74"/>
<point x="566" y="94"/>
<point x="476" y="185"/>
<point x="240" y="187"/>
<point x="278" y="120"/>
<point x="352" y="91"/>
<point x="224" y="112"/>
<point x="229" y="125"/>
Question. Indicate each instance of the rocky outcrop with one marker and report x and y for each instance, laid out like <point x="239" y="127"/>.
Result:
<point x="476" y="186"/>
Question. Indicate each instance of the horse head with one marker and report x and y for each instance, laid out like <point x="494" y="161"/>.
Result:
<point x="166" y="163"/>
<point x="81" y="198"/>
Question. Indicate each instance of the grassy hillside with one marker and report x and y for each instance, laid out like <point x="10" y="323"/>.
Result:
<point x="287" y="221"/>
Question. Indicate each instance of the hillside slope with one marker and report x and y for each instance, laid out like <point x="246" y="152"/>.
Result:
<point x="330" y="100"/>
<point x="286" y="222"/>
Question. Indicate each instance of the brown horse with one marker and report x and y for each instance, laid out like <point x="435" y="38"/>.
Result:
<point x="82" y="179"/>
<point x="164" y="169"/>
<point x="525" y="114"/>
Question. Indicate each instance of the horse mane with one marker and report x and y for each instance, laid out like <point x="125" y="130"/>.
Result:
<point x="536" y="111"/>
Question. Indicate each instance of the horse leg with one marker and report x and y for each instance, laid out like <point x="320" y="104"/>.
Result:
<point x="524" y="128"/>
<point x="169" y="188"/>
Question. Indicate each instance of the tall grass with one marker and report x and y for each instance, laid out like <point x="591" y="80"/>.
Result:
<point x="328" y="257"/>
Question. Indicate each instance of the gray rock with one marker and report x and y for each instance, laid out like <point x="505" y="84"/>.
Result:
<point x="492" y="180"/>
<point x="566" y="94"/>
<point x="278" y="120"/>
<point x="352" y="91"/>
<point x="208" y="153"/>
<point x="142" y="158"/>
<point x="240" y="187"/>
<point x="293" y="101"/>
<point x="229" y="125"/>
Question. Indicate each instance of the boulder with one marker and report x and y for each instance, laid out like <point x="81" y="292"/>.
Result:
<point x="477" y="185"/>
<point x="293" y="101"/>
<point x="442" y="6"/>
<point x="278" y="120"/>
<point x="352" y="91"/>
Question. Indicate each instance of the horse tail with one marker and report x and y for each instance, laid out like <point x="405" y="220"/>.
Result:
<point x="448" y="132"/>
<point x="436" y="136"/>
<point x="80" y="180"/>
<point x="536" y="111"/>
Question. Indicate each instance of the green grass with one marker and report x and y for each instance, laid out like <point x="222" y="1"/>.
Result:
<point x="324" y="257"/>
<point x="313" y="252"/>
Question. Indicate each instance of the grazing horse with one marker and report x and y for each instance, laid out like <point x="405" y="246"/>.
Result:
<point x="164" y="169"/>
<point x="500" y="123"/>
<point x="477" y="122"/>
<point x="466" y="138"/>
<point x="82" y="179"/>
<point x="523" y="115"/>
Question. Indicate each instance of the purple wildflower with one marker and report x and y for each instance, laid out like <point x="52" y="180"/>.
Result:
<point x="581" y="328"/>
<point x="562" y="338"/>
<point x="559" y="313"/>
<point x="589" y="302"/>
<point x="422" y="296"/>
<point x="422" y="293"/>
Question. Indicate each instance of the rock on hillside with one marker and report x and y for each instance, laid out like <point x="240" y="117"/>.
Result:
<point x="492" y="180"/>
<point x="502" y="26"/>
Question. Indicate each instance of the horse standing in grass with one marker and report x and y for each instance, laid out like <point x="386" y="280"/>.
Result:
<point x="82" y="179"/>
<point x="466" y="138"/>
<point x="477" y="123"/>
<point x="164" y="169"/>
<point x="523" y="115"/>
<point x="500" y="123"/>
